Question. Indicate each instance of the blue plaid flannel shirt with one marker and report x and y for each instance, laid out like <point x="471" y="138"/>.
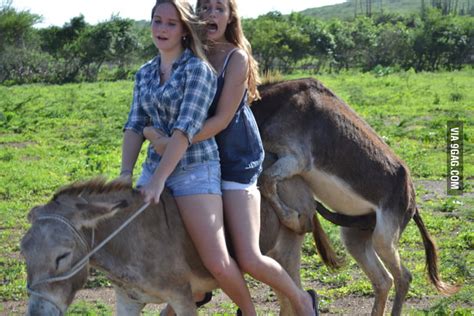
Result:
<point x="180" y="103"/>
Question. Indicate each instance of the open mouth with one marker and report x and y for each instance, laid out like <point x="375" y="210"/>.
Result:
<point x="212" y="27"/>
<point x="160" y="38"/>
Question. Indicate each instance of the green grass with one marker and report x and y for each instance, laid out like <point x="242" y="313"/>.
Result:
<point x="52" y="135"/>
<point x="81" y="308"/>
<point x="346" y="10"/>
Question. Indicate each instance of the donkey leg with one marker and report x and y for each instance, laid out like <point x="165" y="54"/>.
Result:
<point x="385" y="239"/>
<point x="287" y="251"/>
<point x="285" y="167"/>
<point x="125" y="305"/>
<point x="401" y="290"/>
<point x="181" y="300"/>
<point x="359" y="245"/>
<point x="183" y="307"/>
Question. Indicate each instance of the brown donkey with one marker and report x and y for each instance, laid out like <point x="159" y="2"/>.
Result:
<point x="349" y="168"/>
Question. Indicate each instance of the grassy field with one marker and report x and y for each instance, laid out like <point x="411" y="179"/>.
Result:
<point x="53" y="135"/>
<point x="346" y="9"/>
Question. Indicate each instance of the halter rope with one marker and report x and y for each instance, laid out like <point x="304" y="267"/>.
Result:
<point x="81" y="263"/>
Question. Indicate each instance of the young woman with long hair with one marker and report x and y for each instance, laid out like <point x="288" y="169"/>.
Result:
<point x="173" y="93"/>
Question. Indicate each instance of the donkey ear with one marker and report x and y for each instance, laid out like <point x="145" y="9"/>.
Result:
<point x="33" y="214"/>
<point x="90" y="214"/>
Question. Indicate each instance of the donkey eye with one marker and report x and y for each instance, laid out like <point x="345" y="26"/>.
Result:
<point x="61" y="257"/>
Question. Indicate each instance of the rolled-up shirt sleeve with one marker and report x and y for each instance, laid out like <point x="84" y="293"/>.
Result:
<point x="200" y="88"/>
<point x="137" y="117"/>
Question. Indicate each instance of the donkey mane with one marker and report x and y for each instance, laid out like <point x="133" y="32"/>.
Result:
<point x="97" y="185"/>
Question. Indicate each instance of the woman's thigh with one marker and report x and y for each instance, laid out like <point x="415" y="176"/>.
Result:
<point x="242" y="218"/>
<point x="203" y="217"/>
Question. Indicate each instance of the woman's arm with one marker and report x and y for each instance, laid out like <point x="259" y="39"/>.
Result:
<point x="132" y="143"/>
<point x="174" y="151"/>
<point x="132" y="137"/>
<point x="156" y="138"/>
<point x="234" y="87"/>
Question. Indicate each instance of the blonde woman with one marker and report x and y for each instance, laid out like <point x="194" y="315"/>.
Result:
<point x="173" y="93"/>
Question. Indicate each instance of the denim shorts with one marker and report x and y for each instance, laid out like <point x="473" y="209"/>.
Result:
<point x="194" y="179"/>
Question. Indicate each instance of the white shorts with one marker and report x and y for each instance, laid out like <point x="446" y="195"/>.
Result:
<point x="231" y="185"/>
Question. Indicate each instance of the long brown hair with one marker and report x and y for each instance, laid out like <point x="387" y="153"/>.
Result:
<point x="235" y="35"/>
<point x="194" y="28"/>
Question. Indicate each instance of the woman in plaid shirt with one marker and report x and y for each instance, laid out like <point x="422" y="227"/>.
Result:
<point x="173" y="93"/>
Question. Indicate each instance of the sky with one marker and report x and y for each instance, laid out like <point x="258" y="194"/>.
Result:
<point x="58" y="12"/>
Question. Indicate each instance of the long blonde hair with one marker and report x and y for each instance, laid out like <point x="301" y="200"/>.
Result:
<point x="235" y="35"/>
<point x="195" y="29"/>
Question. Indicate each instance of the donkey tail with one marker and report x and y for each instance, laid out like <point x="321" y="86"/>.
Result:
<point x="432" y="258"/>
<point x="325" y="250"/>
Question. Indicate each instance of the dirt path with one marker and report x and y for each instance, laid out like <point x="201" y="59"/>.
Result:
<point x="264" y="299"/>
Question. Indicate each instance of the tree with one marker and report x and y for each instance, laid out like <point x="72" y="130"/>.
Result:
<point x="364" y="34"/>
<point x="446" y="6"/>
<point x="16" y="28"/>
<point x="442" y="41"/>
<point x="393" y="46"/>
<point x="55" y="39"/>
<point x="274" y="40"/>
<point x="343" y="45"/>
<point x="124" y="41"/>
<point x="107" y="41"/>
<point x="320" y="45"/>
<point x="19" y="55"/>
<point x="264" y="36"/>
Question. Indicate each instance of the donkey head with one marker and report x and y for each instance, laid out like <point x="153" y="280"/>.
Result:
<point x="56" y="242"/>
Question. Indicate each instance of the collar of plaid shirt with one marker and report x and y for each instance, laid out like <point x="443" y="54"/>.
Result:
<point x="187" y="53"/>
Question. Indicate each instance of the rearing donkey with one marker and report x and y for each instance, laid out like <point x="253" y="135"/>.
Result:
<point x="350" y="170"/>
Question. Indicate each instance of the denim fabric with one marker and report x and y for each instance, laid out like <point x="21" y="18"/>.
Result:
<point x="240" y="146"/>
<point x="193" y="179"/>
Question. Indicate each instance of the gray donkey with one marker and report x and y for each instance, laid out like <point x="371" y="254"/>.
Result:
<point x="350" y="170"/>
<point x="152" y="260"/>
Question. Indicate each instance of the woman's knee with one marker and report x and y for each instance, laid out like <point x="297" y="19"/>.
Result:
<point x="218" y="266"/>
<point x="250" y="264"/>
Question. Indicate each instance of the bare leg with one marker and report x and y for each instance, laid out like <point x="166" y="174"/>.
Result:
<point x="242" y="215"/>
<point x="203" y="218"/>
